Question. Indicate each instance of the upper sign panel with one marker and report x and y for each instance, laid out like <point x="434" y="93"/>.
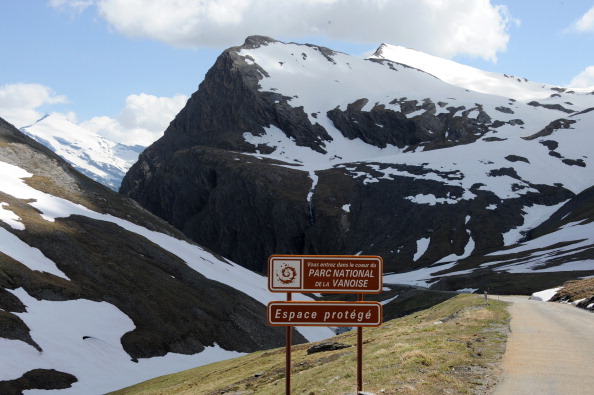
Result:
<point x="325" y="273"/>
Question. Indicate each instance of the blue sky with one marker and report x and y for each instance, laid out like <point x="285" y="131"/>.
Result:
<point x="125" y="67"/>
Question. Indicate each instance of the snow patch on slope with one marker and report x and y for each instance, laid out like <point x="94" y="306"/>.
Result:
<point x="422" y="245"/>
<point x="10" y="218"/>
<point x="534" y="216"/>
<point x="540" y="251"/>
<point x="28" y="256"/>
<point x="82" y="337"/>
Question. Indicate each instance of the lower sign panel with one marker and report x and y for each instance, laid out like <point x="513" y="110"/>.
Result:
<point x="324" y="313"/>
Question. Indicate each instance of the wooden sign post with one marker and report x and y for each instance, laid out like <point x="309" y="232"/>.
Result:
<point x="325" y="274"/>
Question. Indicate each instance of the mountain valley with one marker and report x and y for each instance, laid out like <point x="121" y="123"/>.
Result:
<point x="461" y="180"/>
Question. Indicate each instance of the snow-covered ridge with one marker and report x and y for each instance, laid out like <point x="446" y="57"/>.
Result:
<point x="469" y="77"/>
<point x="103" y="160"/>
<point x="326" y="83"/>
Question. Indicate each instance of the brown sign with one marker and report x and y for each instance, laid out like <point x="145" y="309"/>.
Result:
<point x="324" y="313"/>
<point x="325" y="273"/>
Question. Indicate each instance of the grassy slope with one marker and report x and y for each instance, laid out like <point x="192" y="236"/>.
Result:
<point x="450" y="348"/>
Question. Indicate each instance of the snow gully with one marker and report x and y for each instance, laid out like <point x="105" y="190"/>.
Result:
<point x="314" y="182"/>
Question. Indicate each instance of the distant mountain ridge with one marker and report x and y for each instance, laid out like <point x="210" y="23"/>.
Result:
<point x="95" y="156"/>
<point x="291" y="148"/>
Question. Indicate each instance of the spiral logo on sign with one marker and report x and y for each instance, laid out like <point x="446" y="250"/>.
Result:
<point x="286" y="274"/>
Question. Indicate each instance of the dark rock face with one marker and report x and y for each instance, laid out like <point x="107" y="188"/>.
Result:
<point x="12" y="327"/>
<point x="228" y="103"/>
<point x="240" y="206"/>
<point x="42" y="379"/>
<point x="382" y="126"/>
<point x="383" y="216"/>
<point x="247" y="209"/>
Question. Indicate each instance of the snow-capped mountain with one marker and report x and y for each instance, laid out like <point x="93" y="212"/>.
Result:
<point x="289" y="148"/>
<point x="97" y="294"/>
<point x="95" y="156"/>
<point x="458" y="178"/>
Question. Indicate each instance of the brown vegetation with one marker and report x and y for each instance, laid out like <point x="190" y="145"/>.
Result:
<point x="580" y="291"/>
<point x="452" y="348"/>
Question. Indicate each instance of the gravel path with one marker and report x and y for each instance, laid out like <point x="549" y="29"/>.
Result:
<point x="550" y="349"/>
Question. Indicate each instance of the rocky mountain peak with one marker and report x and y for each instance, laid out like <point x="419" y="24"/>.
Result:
<point x="293" y="148"/>
<point x="257" y="41"/>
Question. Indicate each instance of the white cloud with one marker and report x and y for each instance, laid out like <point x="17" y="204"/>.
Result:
<point x="444" y="28"/>
<point x="584" y="80"/>
<point x="150" y="112"/>
<point x="19" y="102"/>
<point x="586" y="23"/>
<point x="76" y="6"/>
<point x="142" y="121"/>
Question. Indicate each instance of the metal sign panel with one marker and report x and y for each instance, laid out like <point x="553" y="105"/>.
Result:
<point x="325" y="273"/>
<point x="358" y="314"/>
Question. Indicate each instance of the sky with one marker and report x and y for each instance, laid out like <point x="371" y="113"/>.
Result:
<point x="124" y="68"/>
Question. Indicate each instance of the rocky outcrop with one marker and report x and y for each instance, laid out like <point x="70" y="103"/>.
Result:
<point x="587" y="304"/>
<point x="38" y="379"/>
<point x="228" y="104"/>
<point x="382" y="126"/>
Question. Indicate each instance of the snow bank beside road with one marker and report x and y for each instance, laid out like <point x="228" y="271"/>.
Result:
<point x="546" y="295"/>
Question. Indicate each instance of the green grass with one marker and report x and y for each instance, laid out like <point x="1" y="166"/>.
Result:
<point x="453" y="348"/>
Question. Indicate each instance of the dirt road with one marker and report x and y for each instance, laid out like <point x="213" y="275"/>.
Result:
<point x="550" y="349"/>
